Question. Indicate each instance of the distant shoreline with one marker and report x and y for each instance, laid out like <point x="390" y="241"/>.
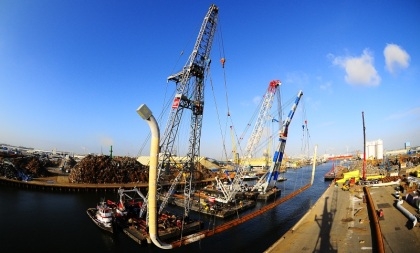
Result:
<point x="59" y="182"/>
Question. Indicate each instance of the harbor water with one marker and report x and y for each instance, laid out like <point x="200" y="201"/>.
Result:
<point x="44" y="221"/>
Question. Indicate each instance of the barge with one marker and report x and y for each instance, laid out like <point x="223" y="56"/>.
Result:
<point x="128" y="213"/>
<point x="170" y="227"/>
<point x="208" y="205"/>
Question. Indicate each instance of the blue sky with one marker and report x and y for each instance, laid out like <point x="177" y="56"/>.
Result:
<point x="73" y="73"/>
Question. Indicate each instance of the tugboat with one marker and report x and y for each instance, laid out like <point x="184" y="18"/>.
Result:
<point x="102" y="216"/>
<point x="128" y="216"/>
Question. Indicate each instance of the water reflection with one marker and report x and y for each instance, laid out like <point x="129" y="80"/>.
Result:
<point x="32" y="220"/>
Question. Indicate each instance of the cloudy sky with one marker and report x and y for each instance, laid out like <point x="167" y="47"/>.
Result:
<point x="73" y="73"/>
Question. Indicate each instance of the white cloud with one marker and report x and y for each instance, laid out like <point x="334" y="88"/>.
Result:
<point x="395" y="58"/>
<point x="359" y="70"/>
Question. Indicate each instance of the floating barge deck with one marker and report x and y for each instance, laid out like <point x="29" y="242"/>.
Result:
<point x="250" y="195"/>
<point x="219" y="209"/>
<point x="336" y="172"/>
<point x="139" y="234"/>
<point x="270" y="194"/>
<point x="136" y="235"/>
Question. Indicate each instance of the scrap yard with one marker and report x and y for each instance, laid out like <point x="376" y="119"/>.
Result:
<point x="171" y="195"/>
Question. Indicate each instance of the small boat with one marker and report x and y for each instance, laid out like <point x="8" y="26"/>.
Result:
<point x="281" y="179"/>
<point x="250" y="177"/>
<point x="128" y="216"/>
<point x="102" y="216"/>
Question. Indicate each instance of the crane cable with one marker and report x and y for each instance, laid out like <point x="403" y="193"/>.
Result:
<point x="305" y="132"/>
<point x="165" y="105"/>
<point x="166" y="101"/>
<point x="223" y="61"/>
<point x="229" y="115"/>
<point x="305" y="146"/>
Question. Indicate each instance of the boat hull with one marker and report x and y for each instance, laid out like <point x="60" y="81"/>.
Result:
<point x="91" y="212"/>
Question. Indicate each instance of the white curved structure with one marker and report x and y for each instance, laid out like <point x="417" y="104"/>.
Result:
<point x="146" y="114"/>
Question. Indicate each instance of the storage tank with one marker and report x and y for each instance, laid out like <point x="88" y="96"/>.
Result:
<point x="375" y="150"/>
<point x="379" y="149"/>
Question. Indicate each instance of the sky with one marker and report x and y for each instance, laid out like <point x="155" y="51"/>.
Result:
<point x="73" y="73"/>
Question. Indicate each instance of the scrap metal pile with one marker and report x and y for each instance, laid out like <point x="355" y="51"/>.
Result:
<point x="91" y="169"/>
<point x="24" y="168"/>
<point x="106" y="169"/>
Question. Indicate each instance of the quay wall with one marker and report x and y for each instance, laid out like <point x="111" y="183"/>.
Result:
<point x="322" y="225"/>
<point x="53" y="185"/>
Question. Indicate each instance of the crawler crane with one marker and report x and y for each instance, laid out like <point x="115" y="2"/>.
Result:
<point x="189" y="97"/>
<point x="273" y="172"/>
<point x="229" y="191"/>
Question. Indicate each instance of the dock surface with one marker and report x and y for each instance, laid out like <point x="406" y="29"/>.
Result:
<point x="340" y="222"/>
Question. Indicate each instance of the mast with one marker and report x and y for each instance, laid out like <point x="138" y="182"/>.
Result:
<point x="364" y="147"/>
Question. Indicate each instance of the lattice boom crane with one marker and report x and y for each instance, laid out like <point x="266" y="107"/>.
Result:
<point x="273" y="172"/>
<point x="189" y="95"/>
<point x="262" y="118"/>
<point x="229" y="191"/>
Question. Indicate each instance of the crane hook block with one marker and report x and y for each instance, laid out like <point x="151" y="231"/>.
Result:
<point x="223" y="60"/>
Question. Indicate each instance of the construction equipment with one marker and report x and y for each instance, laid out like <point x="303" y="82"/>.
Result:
<point x="235" y="155"/>
<point x="229" y="191"/>
<point x="189" y="96"/>
<point x="124" y="194"/>
<point x="274" y="170"/>
<point x="346" y="185"/>
<point x="255" y="136"/>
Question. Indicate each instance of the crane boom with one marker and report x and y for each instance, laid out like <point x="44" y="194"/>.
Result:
<point x="229" y="191"/>
<point x="262" y="117"/>
<point x="189" y="95"/>
<point x="273" y="172"/>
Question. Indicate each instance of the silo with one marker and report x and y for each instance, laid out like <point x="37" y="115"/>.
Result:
<point x="379" y="149"/>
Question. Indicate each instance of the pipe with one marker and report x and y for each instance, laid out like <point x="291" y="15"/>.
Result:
<point x="147" y="115"/>
<point x="406" y="213"/>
